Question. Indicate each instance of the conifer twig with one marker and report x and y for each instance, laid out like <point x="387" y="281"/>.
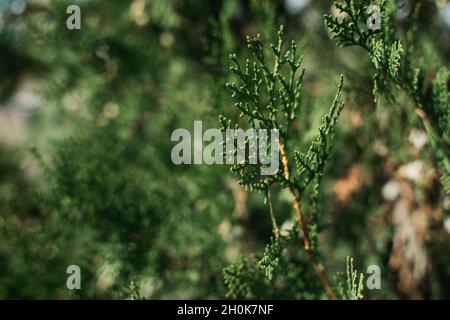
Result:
<point x="317" y="265"/>
<point x="273" y="109"/>
<point x="276" y="230"/>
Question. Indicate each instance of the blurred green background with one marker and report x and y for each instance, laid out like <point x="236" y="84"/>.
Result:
<point x="85" y="171"/>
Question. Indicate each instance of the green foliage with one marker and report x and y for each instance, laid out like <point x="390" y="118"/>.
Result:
<point x="269" y="97"/>
<point x="395" y="66"/>
<point x="352" y="29"/>
<point x="266" y="97"/>
<point x="352" y="286"/>
<point x="311" y="164"/>
<point x="271" y="258"/>
<point x="134" y="291"/>
<point x="281" y="272"/>
<point x="99" y="189"/>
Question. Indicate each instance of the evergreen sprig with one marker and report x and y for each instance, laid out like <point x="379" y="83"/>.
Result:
<point x="276" y="273"/>
<point x="311" y="164"/>
<point x="351" y="29"/>
<point x="351" y="288"/>
<point x="395" y="67"/>
<point x="268" y="95"/>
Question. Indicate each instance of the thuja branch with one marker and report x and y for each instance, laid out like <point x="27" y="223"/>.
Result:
<point x="317" y="265"/>
<point x="395" y="69"/>
<point x="295" y="199"/>
<point x="276" y="229"/>
<point x="268" y="95"/>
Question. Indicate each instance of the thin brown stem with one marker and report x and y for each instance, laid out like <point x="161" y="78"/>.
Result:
<point x="276" y="230"/>
<point x="317" y="265"/>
